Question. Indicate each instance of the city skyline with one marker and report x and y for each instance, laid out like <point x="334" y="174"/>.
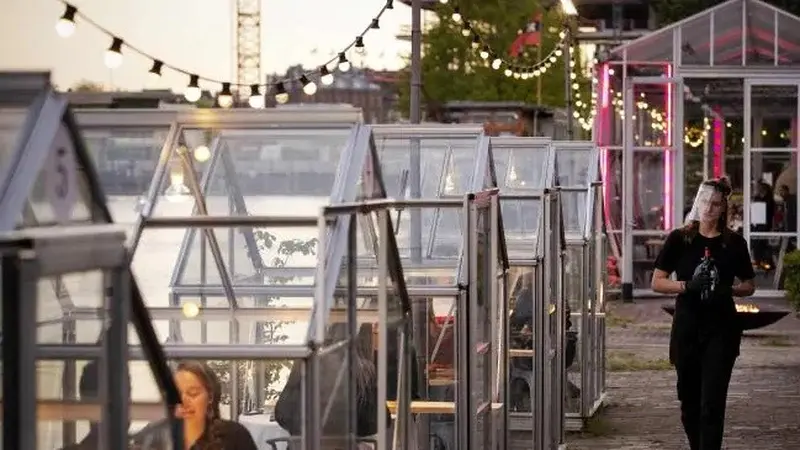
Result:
<point x="175" y="31"/>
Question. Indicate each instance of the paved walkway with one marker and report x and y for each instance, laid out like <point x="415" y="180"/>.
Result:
<point x="764" y="400"/>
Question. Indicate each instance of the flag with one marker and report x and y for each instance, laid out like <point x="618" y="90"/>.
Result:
<point x="530" y="36"/>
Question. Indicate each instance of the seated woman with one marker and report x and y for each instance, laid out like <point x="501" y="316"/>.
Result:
<point x="203" y="428"/>
<point x="333" y="389"/>
<point x="88" y="389"/>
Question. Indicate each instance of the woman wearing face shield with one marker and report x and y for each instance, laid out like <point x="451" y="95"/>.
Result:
<point x="706" y="257"/>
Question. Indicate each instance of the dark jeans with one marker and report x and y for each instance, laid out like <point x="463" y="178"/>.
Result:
<point x="704" y="374"/>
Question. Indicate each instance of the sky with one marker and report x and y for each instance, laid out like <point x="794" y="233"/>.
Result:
<point x="195" y="35"/>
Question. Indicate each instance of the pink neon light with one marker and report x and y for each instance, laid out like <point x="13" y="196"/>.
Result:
<point x="668" y="156"/>
<point x="717" y="128"/>
<point x="600" y="126"/>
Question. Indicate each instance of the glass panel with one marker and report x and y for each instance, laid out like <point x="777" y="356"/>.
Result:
<point x="574" y="209"/>
<point x="773" y="206"/>
<point x="650" y="115"/>
<point x="649" y="191"/>
<point x="768" y="254"/>
<point x="761" y="32"/>
<point x="789" y="42"/>
<point x="695" y="34"/>
<point x="521" y="168"/>
<point x="645" y="251"/>
<point x="41" y="198"/>
<point x="773" y="117"/>
<point x="573" y="167"/>
<point x="270" y="167"/>
<point x="56" y="298"/>
<point x="11" y="122"/>
<point x="728" y="37"/>
<point x="445" y="164"/>
<point x="521" y="221"/>
<point x="125" y="159"/>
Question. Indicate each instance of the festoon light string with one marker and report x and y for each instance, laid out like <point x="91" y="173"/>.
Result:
<point x="512" y="68"/>
<point x="66" y="24"/>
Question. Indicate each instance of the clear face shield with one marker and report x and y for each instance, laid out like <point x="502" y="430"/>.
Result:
<point x="704" y="209"/>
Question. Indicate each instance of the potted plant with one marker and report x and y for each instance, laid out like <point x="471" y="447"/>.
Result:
<point x="791" y="267"/>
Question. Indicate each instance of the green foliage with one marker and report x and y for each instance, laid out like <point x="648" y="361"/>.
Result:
<point x="453" y="70"/>
<point x="278" y="254"/>
<point x="791" y="267"/>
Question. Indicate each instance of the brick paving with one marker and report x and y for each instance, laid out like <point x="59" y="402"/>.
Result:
<point x="763" y="405"/>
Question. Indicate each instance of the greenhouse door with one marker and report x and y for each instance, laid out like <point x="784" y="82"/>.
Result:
<point x="770" y="212"/>
<point x="652" y="174"/>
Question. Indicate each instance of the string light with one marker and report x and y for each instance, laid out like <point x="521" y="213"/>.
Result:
<point x="513" y="68"/>
<point x="113" y="56"/>
<point x="65" y="27"/>
<point x="225" y="96"/>
<point x="193" y="92"/>
<point x="256" y="100"/>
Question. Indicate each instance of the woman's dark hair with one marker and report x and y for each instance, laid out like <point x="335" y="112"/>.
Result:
<point x="213" y="419"/>
<point x="722" y="186"/>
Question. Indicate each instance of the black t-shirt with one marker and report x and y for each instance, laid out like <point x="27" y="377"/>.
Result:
<point x="729" y="253"/>
<point x="234" y="436"/>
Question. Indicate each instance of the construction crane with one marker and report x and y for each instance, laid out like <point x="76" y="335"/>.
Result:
<point x="248" y="43"/>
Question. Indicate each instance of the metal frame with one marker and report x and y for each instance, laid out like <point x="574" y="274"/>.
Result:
<point x="582" y="254"/>
<point x="722" y="42"/>
<point x="542" y="258"/>
<point x="753" y="149"/>
<point x="33" y="255"/>
<point x="403" y="141"/>
<point x="48" y="115"/>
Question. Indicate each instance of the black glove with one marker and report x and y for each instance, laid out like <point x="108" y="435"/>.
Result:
<point x="723" y="292"/>
<point x="697" y="284"/>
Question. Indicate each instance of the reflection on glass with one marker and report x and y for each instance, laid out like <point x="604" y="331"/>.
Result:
<point x="573" y="167"/>
<point x="11" y="121"/>
<point x="521" y="168"/>
<point x="574" y="209"/>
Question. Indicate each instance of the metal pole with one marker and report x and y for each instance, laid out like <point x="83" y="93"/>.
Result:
<point x="419" y="309"/>
<point x="568" y="81"/>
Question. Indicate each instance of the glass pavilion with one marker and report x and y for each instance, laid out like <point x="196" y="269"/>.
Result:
<point x="531" y="206"/>
<point x="577" y="176"/>
<point x="713" y="94"/>
<point x="276" y="293"/>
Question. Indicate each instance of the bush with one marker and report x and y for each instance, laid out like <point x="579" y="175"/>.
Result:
<point x="791" y="267"/>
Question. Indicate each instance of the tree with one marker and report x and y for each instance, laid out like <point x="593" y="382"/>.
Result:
<point x="87" y="86"/>
<point x="453" y="70"/>
<point x="269" y="332"/>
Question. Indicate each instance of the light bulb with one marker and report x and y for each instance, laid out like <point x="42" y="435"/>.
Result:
<point x="508" y="72"/>
<point x="476" y="42"/>
<point x="65" y="27"/>
<point x="344" y="64"/>
<point x="309" y="87"/>
<point x="202" y="153"/>
<point x="113" y="56"/>
<point x="155" y="71"/>
<point x="558" y="52"/>
<point x="325" y="76"/>
<point x="225" y="96"/>
<point x="466" y="31"/>
<point x="190" y="310"/>
<point x="256" y="100"/>
<point x="444" y="2"/>
<point x="281" y="96"/>
<point x="456" y="16"/>
<point x="496" y="63"/>
<point x="485" y="52"/>
<point x="193" y="92"/>
<point x="360" y="45"/>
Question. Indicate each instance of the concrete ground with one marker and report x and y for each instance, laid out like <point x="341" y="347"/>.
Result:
<point x="763" y="403"/>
